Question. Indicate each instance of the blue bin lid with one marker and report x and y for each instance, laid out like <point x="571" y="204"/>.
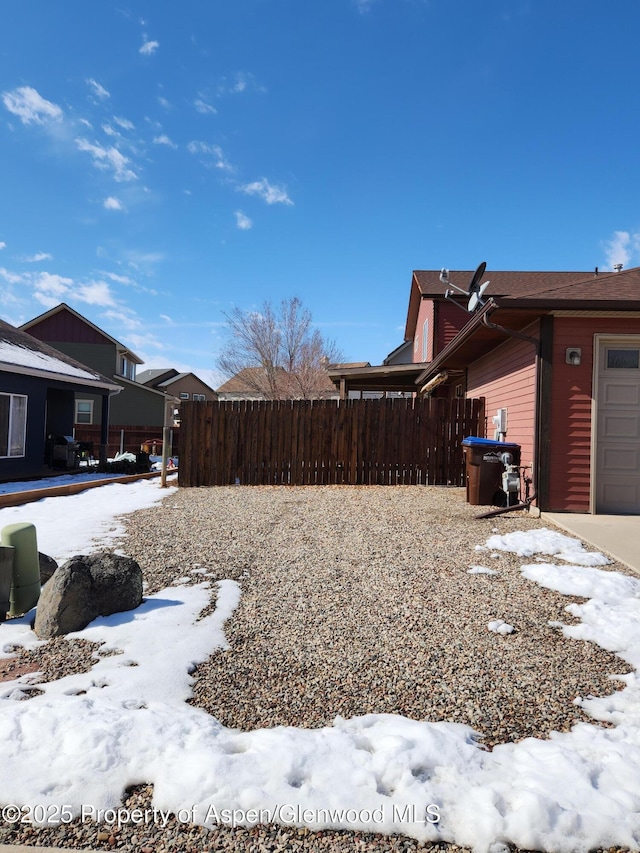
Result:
<point x="476" y="441"/>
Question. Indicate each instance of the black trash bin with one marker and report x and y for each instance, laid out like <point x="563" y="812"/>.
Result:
<point x="484" y="469"/>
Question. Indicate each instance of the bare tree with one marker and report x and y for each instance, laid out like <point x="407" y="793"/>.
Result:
<point x="278" y="354"/>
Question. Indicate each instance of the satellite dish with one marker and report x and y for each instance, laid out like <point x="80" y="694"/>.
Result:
<point x="475" y="278"/>
<point x="476" y="298"/>
<point x="475" y="289"/>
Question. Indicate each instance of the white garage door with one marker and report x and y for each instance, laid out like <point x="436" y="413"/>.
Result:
<point x="618" y="426"/>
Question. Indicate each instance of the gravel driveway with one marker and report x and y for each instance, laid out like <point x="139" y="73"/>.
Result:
<point x="358" y="600"/>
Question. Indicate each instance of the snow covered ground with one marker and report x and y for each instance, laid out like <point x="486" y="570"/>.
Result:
<point x="74" y="749"/>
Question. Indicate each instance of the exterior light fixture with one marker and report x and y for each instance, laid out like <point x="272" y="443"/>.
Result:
<point x="574" y="356"/>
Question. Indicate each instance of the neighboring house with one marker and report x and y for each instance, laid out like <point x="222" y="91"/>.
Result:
<point x="182" y="386"/>
<point x="556" y="356"/>
<point x="247" y="385"/>
<point x="38" y="385"/>
<point x="78" y="337"/>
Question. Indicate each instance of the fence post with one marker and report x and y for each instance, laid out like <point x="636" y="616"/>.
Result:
<point x="166" y="432"/>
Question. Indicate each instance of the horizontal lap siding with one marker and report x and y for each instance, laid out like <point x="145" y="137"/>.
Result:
<point x="571" y="406"/>
<point x="449" y="319"/>
<point x="506" y="378"/>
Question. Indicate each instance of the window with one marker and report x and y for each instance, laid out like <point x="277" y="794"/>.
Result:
<point x="184" y="395"/>
<point x="425" y="339"/>
<point x="623" y="359"/>
<point x="84" y="412"/>
<point x="200" y="398"/>
<point x="13" y="424"/>
<point x="127" y="368"/>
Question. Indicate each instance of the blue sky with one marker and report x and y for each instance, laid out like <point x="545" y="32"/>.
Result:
<point x="160" y="163"/>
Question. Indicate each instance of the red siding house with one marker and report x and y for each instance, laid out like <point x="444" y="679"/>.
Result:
<point x="556" y="357"/>
<point x="560" y="352"/>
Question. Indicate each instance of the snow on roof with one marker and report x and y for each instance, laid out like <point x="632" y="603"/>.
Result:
<point x="23" y="357"/>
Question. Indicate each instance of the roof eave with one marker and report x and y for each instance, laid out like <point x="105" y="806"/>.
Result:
<point x="463" y="335"/>
<point x="59" y="377"/>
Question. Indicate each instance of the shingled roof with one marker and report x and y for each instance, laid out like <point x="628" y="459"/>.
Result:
<point x="22" y="353"/>
<point x="502" y="282"/>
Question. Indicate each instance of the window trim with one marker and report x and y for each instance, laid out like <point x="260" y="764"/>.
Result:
<point x="199" y="398"/>
<point x="12" y="428"/>
<point x="76" y="419"/>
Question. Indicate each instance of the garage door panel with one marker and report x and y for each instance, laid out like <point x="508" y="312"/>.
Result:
<point x="617" y="461"/>
<point x="621" y="394"/>
<point x="621" y="459"/>
<point x="620" y="426"/>
<point x="621" y="496"/>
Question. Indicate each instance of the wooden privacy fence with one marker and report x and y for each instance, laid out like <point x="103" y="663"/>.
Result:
<point x="326" y="442"/>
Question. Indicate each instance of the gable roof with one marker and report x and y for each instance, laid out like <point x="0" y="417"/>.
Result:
<point x="22" y="353"/>
<point x="550" y="290"/>
<point x="502" y="282"/>
<point x="243" y="382"/>
<point x="64" y="307"/>
<point x="617" y="292"/>
<point x="149" y="377"/>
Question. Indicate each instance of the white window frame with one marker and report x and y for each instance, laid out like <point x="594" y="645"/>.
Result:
<point x="184" y="395"/>
<point x="127" y="367"/>
<point x="77" y="412"/>
<point x="425" y="339"/>
<point x="199" y="398"/>
<point x="16" y="427"/>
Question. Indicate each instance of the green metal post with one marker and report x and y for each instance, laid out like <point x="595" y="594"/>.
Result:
<point x="25" y="588"/>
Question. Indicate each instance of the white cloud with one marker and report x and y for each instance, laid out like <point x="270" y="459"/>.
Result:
<point x="48" y="286"/>
<point x="622" y="248"/>
<point x="39" y="256"/>
<point x="142" y="341"/>
<point x="46" y="301"/>
<point x="242" y="81"/>
<point x="112" y="203"/>
<point x="120" y="279"/>
<point x="30" y="106"/>
<point x="124" y="123"/>
<point x="214" y="151"/>
<point x="108" y="158"/>
<point x="149" y="47"/>
<point x="12" y="277"/>
<point x="243" y="222"/>
<point x="98" y="90"/>
<point x="165" y="103"/>
<point x="137" y="259"/>
<point x="127" y="320"/>
<point x="203" y="107"/>
<point x="269" y="193"/>
<point x="94" y="293"/>
<point x="163" y="139"/>
<point x="3" y="245"/>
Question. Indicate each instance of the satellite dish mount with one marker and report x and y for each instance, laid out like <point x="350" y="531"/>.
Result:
<point x="474" y="291"/>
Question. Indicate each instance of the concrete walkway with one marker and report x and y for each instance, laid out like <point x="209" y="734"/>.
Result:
<point x="615" y="535"/>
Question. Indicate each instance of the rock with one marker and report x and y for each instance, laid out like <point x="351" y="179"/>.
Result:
<point x="84" y="588"/>
<point x="47" y="567"/>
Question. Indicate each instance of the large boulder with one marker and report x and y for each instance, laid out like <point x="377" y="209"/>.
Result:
<point x="84" y="588"/>
<point x="47" y="567"/>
